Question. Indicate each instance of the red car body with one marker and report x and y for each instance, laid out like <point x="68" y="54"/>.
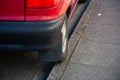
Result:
<point x="16" y="10"/>
<point x="36" y="25"/>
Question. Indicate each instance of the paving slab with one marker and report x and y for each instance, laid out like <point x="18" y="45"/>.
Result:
<point x="85" y="72"/>
<point x="106" y="12"/>
<point x="95" y="53"/>
<point x="103" y="33"/>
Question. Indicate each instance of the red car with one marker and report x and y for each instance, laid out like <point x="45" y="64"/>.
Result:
<point x="36" y="25"/>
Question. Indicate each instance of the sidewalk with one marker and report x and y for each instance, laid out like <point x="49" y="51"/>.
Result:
<point x="94" y="53"/>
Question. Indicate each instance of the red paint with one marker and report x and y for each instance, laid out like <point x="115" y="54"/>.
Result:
<point x="12" y="10"/>
<point x="48" y="13"/>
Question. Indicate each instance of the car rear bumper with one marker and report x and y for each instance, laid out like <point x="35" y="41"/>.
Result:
<point x="31" y="36"/>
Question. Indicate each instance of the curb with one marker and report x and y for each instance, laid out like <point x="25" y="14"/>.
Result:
<point x="58" y="70"/>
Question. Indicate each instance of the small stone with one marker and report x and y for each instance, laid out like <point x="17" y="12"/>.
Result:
<point x="99" y="14"/>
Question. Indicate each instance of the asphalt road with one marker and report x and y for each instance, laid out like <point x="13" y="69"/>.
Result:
<point x="22" y="66"/>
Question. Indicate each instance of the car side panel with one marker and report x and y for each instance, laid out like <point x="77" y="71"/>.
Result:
<point x="48" y="13"/>
<point x="12" y="10"/>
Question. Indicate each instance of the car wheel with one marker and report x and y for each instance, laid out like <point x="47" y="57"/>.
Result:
<point x="64" y="42"/>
